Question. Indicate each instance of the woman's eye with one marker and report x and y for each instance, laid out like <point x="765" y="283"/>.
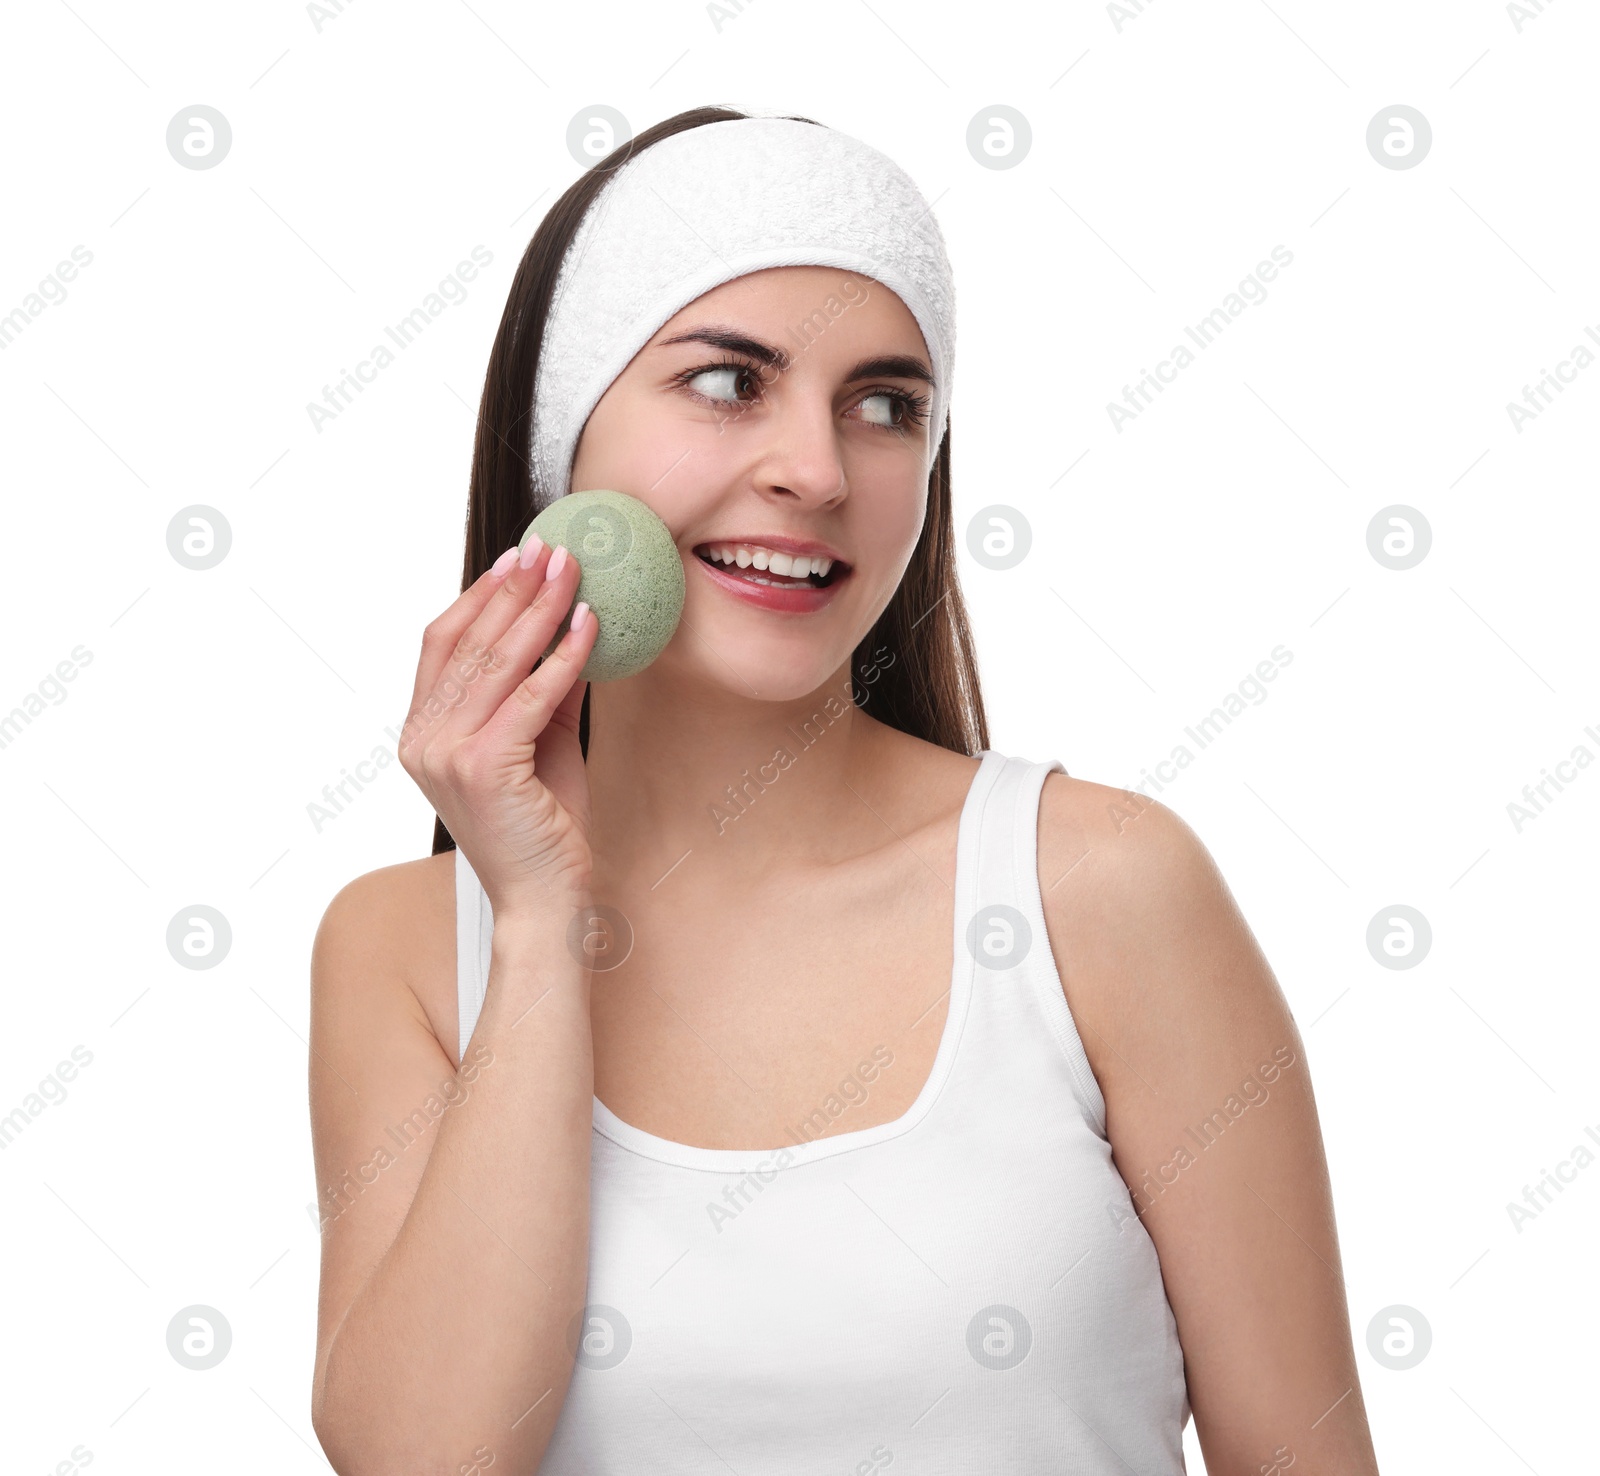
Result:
<point x="729" y="384"/>
<point x="884" y="411"/>
<point x="718" y="384"/>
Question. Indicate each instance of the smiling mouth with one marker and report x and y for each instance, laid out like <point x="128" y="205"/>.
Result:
<point x="748" y="571"/>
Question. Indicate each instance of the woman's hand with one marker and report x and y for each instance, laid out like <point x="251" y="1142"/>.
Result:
<point x="493" y="742"/>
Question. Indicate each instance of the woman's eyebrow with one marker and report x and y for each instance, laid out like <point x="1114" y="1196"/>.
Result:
<point x="880" y="366"/>
<point x="892" y="366"/>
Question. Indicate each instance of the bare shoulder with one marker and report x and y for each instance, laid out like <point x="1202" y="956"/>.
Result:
<point x="1157" y="961"/>
<point x="1212" y="1123"/>
<point x="921" y="784"/>
<point x="396" y="924"/>
<point x="374" y="1054"/>
<point x="1122" y="856"/>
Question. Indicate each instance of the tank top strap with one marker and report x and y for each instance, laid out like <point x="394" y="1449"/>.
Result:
<point x="1005" y="858"/>
<point x="1017" y="983"/>
<point x="474" y="940"/>
<point x="1013" y="792"/>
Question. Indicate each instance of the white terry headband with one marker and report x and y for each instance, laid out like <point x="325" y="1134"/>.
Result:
<point x="713" y="203"/>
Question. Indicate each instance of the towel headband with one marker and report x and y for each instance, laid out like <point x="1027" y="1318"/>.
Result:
<point x="716" y="202"/>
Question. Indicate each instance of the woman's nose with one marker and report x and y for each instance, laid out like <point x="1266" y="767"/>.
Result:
<point x="801" y="453"/>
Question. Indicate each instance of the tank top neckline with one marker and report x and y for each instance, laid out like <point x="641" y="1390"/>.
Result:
<point x="789" y="1155"/>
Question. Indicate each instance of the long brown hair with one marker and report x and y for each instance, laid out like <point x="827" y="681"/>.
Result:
<point x="931" y="688"/>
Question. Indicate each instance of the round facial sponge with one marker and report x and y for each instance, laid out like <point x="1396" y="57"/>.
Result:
<point x="631" y="577"/>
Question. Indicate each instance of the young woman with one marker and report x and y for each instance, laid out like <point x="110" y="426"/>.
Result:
<point x="764" y="1074"/>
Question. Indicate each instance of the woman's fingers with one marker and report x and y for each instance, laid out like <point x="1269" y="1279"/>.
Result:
<point x="512" y="650"/>
<point x="456" y="646"/>
<point x="514" y="795"/>
<point x="444" y="632"/>
<point x="553" y="691"/>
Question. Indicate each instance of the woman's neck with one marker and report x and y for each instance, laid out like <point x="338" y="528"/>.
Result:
<point x="741" y="782"/>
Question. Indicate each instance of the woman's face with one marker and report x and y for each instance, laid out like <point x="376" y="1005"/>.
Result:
<point x="786" y="412"/>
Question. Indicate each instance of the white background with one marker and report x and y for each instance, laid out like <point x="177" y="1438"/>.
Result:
<point x="1169" y="154"/>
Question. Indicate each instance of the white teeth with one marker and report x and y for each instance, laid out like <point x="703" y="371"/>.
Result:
<point x="747" y="556"/>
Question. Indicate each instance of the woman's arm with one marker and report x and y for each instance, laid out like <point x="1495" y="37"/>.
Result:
<point x="456" y="1203"/>
<point x="1213" y="1124"/>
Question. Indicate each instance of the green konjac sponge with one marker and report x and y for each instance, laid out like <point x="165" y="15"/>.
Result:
<point x="632" y="577"/>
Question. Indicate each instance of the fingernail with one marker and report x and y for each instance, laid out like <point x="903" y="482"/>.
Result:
<point x="558" y="562"/>
<point x="503" y="563"/>
<point x="580" y="615"/>
<point x="530" y="550"/>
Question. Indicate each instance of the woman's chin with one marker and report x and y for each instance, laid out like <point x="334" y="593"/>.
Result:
<point x="735" y="666"/>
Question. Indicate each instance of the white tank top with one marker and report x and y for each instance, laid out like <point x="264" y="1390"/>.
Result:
<point x="966" y="1288"/>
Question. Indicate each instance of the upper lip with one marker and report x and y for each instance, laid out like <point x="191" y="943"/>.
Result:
<point x="799" y="547"/>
